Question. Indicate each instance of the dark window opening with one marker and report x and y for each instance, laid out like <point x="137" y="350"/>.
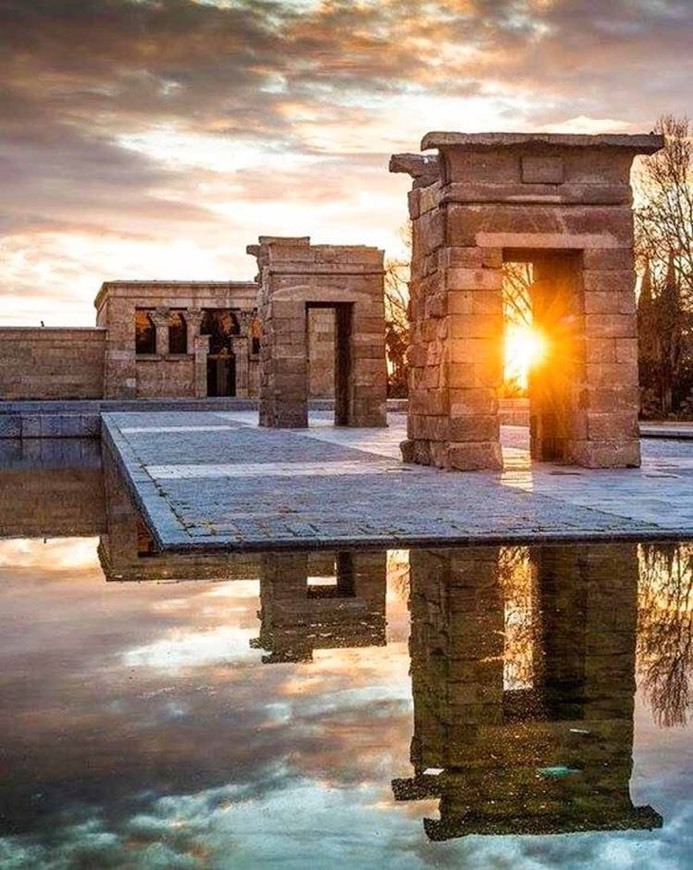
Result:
<point x="255" y="334"/>
<point x="177" y="333"/>
<point x="220" y="324"/>
<point x="145" y="332"/>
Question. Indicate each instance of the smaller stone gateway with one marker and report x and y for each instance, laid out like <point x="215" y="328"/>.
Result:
<point x="561" y="203"/>
<point x="295" y="278"/>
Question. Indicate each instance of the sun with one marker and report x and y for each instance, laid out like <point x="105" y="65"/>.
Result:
<point x="525" y="347"/>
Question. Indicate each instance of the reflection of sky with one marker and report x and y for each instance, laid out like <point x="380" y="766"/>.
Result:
<point x="141" y="729"/>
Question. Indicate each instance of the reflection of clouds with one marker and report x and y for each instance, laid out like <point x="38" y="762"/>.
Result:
<point x="49" y="555"/>
<point x="306" y="824"/>
<point x="182" y="649"/>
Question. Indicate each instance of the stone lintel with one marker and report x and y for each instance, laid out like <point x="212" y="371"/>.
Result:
<point x="541" y="194"/>
<point x="331" y="269"/>
<point x="142" y="289"/>
<point x="551" y="241"/>
<point x="641" y="143"/>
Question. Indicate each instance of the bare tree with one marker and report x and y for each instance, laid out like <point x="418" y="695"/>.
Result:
<point x="664" y="219"/>
<point x="664" y="249"/>
<point x="397" y="273"/>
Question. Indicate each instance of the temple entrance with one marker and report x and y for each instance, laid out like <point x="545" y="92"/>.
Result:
<point x="328" y="330"/>
<point x="550" y="289"/>
<point x="221" y="325"/>
<point x="302" y="286"/>
<point x="563" y="203"/>
<point x="221" y="374"/>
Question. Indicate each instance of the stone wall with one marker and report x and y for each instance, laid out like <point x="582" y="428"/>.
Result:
<point x="51" y="362"/>
<point x="51" y="489"/>
<point x="161" y="378"/>
<point x="321" y="352"/>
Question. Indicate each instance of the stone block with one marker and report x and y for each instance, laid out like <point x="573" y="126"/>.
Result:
<point x="605" y="259"/>
<point x="430" y="231"/>
<point x="474" y="456"/>
<point x="473" y="402"/>
<point x="474" y="428"/>
<point x="601" y="350"/>
<point x="615" y="426"/>
<point x="473" y="375"/>
<point x="465" y="222"/>
<point x="611" y="302"/>
<point x="475" y="302"/>
<point x="627" y="351"/>
<point x="609" y="280"/>
<point x="542" y="170"/>
<point x="610" y="326"/>
<point x="607" y="374"/>
<point x="470" y="258"/>
<point x="473" y="279"/>
<point x="604" y="454"/>
<point x="10" y="426"/>
<point x="430" y="403"/>
<point x="484" y="351"/>
<point x="466" y="326"/>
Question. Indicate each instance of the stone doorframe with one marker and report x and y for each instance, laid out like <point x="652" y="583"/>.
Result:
<point x="293" y="276"/>
<point x="484" y="197"/>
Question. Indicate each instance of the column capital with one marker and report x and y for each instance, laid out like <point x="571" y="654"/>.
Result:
<point x="161" y="316"/>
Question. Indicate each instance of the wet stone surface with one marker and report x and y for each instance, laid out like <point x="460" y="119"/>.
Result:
<point x="217" y="480"/>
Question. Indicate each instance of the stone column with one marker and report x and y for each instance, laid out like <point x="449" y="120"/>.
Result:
<point x="201" y="351"/>
<point x="160" y="318"/>
<point x="239" y="344"/>
<point x="193" y="319"/>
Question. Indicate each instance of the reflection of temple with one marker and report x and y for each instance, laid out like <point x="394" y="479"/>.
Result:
<point x="523" y="683"/>
<point x="51" y="488"/>
<point x="127" y="550"/>
<point x="320" y="601"/>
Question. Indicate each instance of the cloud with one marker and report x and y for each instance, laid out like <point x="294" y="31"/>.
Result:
<point x="212" y="122"/>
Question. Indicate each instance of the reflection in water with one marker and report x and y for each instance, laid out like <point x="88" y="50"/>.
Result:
<point x="342" y="606"/>
<point x="127" y="701"/>
<point x="665" y="629"/>
<point x="550" y="749"/>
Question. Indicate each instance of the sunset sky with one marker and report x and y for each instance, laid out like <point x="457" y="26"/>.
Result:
<point x="157" y="138"/>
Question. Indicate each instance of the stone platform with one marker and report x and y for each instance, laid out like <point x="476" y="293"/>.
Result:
<point x="214" y="480"/>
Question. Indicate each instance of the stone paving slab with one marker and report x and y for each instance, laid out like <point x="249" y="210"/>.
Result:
<point x="214" y="481"/>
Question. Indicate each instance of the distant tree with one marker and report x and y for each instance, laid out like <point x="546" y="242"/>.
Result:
<point x="396" y="319"/>
<point x="664" y="249"/>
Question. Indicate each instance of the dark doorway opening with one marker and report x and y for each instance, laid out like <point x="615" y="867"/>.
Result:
<point x="221" y="325"/>
<point x="221" y="375"/>
<point x="340" y="344"/>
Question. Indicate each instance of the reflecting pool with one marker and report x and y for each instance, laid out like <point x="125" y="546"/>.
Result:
<point x="453" y="707"/>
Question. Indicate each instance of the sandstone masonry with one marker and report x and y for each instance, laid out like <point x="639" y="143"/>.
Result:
<point x="563" y="204"/>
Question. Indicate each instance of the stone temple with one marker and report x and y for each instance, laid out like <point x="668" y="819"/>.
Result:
<point x="313" y="323"/>
<point x="563" y="204"/>
<point x="311" y="327"/>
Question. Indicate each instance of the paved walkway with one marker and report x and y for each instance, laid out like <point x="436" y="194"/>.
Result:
<point x="216" y="480"/>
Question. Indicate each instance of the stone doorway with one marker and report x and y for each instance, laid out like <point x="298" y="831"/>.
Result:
<point x="554" y="380"/>
<point x="221" y="374"/>
<point x="566" y="201"/>
<point x="335" y="373"/>
<point x="297" y="278"/>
